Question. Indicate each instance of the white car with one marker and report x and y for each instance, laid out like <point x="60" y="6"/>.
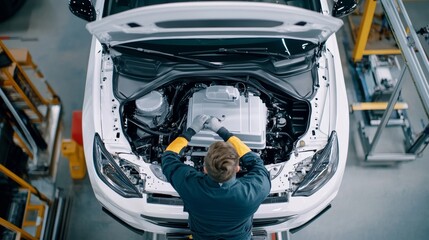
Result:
<point x="270" y="70"/>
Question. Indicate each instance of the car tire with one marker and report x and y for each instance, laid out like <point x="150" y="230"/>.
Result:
<point x="9" y="7"/>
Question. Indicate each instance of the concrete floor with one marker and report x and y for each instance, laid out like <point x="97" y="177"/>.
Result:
<point x="373" y="202"/>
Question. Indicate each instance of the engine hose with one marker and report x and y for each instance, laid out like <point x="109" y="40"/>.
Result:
<point x="146" y="128"/>
<point x="173" y="101"/>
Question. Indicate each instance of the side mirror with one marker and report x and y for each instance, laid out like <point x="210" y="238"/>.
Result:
<point x="343" y="7"/>
<point x="82" y="9"/>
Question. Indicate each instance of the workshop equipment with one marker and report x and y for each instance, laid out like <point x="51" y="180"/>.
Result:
<point x="74" y="153"/>
<point x="35" y="116"/>
<point x="72" y="148"/>
<point x="377" y="75"/>
<point x="24" y="217"/>
<point x="24" y="59"/>
<point x="361" y="38"/>
<point x="381" y="89"/>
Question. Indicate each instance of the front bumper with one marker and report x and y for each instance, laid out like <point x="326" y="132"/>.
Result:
<point x="165" y="218"/>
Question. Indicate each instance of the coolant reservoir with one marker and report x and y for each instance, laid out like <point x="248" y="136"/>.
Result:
<point x="152" y="104"/>
<point x="152" y="108"/>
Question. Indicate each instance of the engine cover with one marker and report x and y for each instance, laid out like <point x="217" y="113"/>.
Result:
<point x="245" y="117"/>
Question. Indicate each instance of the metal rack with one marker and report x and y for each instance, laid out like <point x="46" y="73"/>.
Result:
<point x="416" y="63"/>
<point x="39" y="208"/>
<point x="35" y="116"/>
<point x="43" y="217"/>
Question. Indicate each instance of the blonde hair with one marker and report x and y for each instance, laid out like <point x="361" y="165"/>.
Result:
<point x="221" y="161"/>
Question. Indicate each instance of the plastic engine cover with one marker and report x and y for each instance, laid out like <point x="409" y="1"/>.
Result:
<point x="244" y="117"/>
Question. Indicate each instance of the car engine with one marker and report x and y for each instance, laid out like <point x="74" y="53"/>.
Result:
<point x="245" y="116"/>
<point x="268" y="124"/>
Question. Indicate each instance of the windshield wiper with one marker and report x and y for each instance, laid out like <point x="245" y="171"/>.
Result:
<point x="252" y="51"/>
<point x="154" y="52"/>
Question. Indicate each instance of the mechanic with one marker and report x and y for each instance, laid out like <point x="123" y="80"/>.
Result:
<point x="220" y="206"/>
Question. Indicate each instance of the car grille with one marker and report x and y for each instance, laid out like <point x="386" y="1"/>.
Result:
<point x="264" y="222"/>
<point x="176" y="201"/>
<point x="183" y="223"/>
<point x="274" y="198"/>
<point x="164" y="199"/>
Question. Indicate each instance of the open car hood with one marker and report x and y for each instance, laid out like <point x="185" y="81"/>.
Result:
<point x="214" y="20"/>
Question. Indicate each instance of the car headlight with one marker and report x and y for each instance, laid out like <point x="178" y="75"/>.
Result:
<point x="325" y="163"/>
<point x="274" y="170"/>
<point x="110" y="173"/>
<point x="157" y="171"/>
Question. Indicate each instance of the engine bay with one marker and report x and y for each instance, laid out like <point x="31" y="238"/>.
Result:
<point x="268" y="123"/>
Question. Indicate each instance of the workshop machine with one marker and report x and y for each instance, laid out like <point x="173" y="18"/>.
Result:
<point x="378" y="75"/>
<point x="381" y="78"/>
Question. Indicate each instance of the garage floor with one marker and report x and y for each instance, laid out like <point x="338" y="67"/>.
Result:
<point x="373" y="202"/>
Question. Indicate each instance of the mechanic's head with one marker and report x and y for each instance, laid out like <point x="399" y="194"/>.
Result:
<point x="221" y="162"/>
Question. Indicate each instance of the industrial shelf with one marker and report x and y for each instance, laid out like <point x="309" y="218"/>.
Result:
<point x="35" y="117"/>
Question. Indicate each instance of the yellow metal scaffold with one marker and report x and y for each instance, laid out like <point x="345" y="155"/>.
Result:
<point x="39" y="208"/>
<point x="35" y="114"/>
<point x="363" y="33"/>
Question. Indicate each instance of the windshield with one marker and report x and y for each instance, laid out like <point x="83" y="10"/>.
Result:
<point x="117" y="6"/>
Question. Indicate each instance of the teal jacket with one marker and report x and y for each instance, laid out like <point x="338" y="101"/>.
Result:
<point x="218" y="211"/>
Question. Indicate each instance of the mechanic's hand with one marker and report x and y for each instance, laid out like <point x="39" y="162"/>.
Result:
<point x="213" y="124"/>
<point x="198" y="122"/>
